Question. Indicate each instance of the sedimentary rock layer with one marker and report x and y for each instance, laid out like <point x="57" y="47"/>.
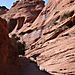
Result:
<point x="24" y="12"/>
<point x="50" y="39"/>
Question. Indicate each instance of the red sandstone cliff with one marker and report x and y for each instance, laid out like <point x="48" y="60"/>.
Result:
<point x="50" y="39"/>
<point x="53" y="47"/>
<point x="24" y="12"/>
<point x="10" y="63"/>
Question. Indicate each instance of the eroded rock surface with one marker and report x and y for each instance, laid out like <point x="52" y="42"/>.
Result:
<point x="50" y="39"/>
<point x="10" y="64"/>
<point x="24" y="12"/>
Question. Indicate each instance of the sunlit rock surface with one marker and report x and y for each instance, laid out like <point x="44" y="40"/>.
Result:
<point x="24" y="12"/>
<point x="50" y="39"/>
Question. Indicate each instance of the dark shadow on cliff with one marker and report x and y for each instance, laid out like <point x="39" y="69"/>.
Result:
<point x="26" y="67"/>
<point x="30" y="68"/>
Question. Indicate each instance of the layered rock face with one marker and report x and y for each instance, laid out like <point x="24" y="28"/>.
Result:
<point x="50" y="39"/>
<point x="10" y="64"/>
<point x="24" y="12"/>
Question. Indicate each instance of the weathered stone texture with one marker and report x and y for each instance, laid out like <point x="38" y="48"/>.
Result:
<point x="24" y="11"/>
<point x="54" y="50"/>
<point x="50" y="39"/>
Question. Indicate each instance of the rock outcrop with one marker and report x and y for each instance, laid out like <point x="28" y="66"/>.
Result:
<point x="3" y="10"/>
<point x="24" y="12"/>
<point x="50" y="39"/>
<point x="10" y="64"/>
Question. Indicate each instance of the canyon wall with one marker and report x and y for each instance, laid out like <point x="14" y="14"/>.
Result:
<point x="49" y="38"/>
<point x="24" y="12"/>
<point x="10" y="63"/>
<point x="51" y="42"/>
